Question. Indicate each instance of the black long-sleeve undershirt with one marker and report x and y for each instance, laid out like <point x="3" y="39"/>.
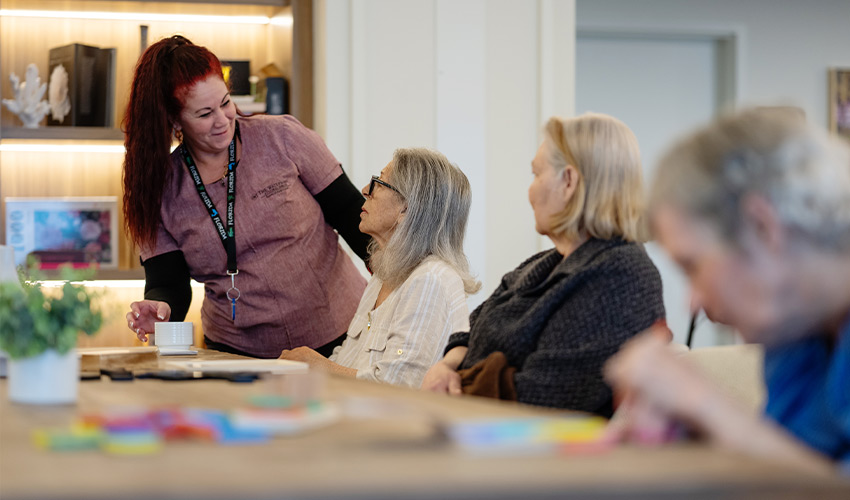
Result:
<point x="167" y="280"/>
<point x="167" y="275"/>
<point x="341" y="203"/>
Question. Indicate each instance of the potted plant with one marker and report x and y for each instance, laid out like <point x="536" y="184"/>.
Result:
<point x="38" y="331"/>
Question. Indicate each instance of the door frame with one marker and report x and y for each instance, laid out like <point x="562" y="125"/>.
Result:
<point x="729" y="40"/>
<point x="730" y="64"/>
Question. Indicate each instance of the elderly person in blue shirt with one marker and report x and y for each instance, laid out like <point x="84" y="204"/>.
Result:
<point x="755" y="208"/>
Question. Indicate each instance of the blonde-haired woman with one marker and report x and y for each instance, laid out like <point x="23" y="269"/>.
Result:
<point x="563" y="312"/>
<point x="416" y="213"/>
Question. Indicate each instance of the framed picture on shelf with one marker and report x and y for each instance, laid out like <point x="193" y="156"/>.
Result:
<point x="80" y="231"/>
<point x="839" y="101"/>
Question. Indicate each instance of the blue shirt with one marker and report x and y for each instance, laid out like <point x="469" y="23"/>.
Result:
<point x="808" y="392"/>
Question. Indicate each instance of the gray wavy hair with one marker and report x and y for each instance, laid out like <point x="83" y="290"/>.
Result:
<point x="803" y="172"/>
<point x="438" y="196"/>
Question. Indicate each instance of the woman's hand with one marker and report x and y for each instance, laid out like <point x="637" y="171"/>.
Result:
<point x="638" y="421"/>
<point x="442" y="378"/>
<point x="144" y="313"/>
<point x="316" y="360"/>
<point x="656" y="381"/>
<point x="661" y="389"/>
<point x="305" y="355"/>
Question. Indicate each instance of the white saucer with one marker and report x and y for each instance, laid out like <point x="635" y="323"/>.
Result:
<point x="177" y="351"/>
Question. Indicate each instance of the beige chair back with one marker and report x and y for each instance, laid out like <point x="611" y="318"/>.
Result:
<point x="736" y="369"/>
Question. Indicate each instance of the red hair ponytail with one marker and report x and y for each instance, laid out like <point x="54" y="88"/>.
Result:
<point x="164" y="74"/>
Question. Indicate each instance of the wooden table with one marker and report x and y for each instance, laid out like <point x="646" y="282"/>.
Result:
<point x="387" y="459"/>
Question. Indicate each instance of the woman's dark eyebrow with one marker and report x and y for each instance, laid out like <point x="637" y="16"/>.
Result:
<point x="209" y="108"/>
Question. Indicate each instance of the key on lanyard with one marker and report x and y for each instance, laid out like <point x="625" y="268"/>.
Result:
<point x="233" y="294"/>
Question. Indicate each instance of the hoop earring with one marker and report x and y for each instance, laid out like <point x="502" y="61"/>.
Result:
<point x="179" y="135"/>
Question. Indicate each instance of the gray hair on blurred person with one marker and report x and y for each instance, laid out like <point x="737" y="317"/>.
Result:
<point x="802" y="171"/>
<point x="438" y="197"/>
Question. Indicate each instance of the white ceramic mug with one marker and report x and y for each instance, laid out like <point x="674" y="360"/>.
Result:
<point x="174" y="334"/>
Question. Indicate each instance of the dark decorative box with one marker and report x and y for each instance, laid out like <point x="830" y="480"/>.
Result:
<point x="90" y="84"/>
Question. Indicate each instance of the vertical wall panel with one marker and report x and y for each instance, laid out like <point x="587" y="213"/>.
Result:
<point x="468" y="77"/>
<point x="399" y="93"/>
<point x="513" y="123"/>
<point x="461" y="108"/>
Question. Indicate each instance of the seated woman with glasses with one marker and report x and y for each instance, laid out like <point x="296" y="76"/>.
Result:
<point x="416" y="213"/>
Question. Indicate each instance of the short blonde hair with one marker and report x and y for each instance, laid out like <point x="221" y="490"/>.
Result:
<point x="608" y="201"/>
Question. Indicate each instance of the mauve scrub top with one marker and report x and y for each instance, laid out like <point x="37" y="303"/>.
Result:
<point x="299" y="288"/>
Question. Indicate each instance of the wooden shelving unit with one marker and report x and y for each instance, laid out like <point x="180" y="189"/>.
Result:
<point x="83" y="173"/>
<point x="63" y="133"/>
<point x="104" y="274"/>
<point x="26" y="173"/>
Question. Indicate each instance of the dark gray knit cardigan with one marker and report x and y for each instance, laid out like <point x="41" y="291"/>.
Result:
<point x="558" y="320"/>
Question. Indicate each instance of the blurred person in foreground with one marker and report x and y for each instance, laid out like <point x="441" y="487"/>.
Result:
<point x="416" y="213"/>
<point x="543" y="336"/>
<point x="755" y="208"/>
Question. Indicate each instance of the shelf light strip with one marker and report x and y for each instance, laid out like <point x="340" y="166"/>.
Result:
<point x="61" y="148"/>
<point x="143" y="16"/>
<point x="139" y="283"/>
<point x="95" y="283"/>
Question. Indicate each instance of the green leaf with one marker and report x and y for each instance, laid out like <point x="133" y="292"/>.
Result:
<point x="32" y="322"/>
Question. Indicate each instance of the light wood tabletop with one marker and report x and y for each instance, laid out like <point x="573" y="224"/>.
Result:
<point x="396" y="457"/>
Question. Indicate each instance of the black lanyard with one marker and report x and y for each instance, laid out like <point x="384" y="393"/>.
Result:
<point x="226" y="231"/>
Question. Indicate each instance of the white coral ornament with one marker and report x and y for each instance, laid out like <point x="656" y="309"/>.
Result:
<point x="28" y="103"/>
<point x="57" y="94"/>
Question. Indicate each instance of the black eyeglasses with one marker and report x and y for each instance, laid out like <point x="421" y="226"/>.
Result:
<point x="377" y="180"/>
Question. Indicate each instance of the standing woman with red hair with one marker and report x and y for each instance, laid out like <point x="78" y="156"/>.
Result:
<point x="265" y="248"/>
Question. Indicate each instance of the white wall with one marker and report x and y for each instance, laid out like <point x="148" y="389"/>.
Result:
<point x="676" y="79"/>
<point x="786" y="46"/>
<point x="474" y="79"/>
<point x="779" y="54"/>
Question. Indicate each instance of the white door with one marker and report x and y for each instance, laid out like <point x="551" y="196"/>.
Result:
<point x="661" y="87"/>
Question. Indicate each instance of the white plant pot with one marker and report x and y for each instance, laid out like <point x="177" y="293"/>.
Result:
<point x="49" y="378"/>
